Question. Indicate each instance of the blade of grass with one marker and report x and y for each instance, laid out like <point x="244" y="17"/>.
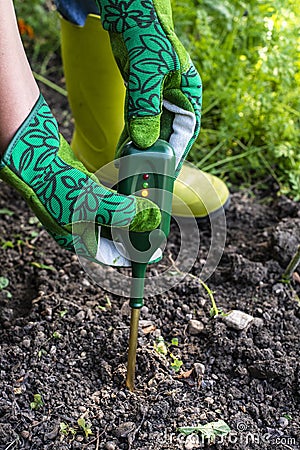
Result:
<point x="50" y="84"/>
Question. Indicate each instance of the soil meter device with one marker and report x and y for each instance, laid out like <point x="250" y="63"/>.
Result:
<point x="149" y="174"/>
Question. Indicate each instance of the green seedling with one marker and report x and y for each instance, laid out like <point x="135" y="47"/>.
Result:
<point x="41" y="353"/>
<point x="33" y="220"/>
<point x="209" y="431"/>
<point x="214" y="311"/>
<point x="56" y="335"/>
<point x="176" y="363"/>
<point x="160" y="346"/>
<point x="42" y="266"/>
<point x="4" y="282"/>
<point x="65" y="429"/>
<point x="85" y="426"/>
<point x="63" y="313"/>
<point x="107" y="304"/>
<point x="288" y="417"/>
<point x="37" y="402"/>
<point x="6" y="212"/>
<point x="7" y="244"/>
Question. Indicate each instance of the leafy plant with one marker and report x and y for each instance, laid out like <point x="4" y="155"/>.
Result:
<point x="6" y="212"/>
<point x="176" y="363"/>
<point x="209" y="431"/>
<point x="248" y="55"/>
<point x="4" y="282"/>
<point x="39" y="28"/>
<point x="56" y="335"/>
<point x="85" y="426"/>
<point x="66" y="429"/>
<point x="37" y="402"/>
<point x="162" y="348"/>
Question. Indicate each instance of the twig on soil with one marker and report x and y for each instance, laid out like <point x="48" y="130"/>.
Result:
<point x="131" y="436"/>
<point x="92" y="441"/>
<point x="11" y="444"/>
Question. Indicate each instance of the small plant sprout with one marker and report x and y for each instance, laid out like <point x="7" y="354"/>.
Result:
<point x="42" y="266"/>
<point x="160" y="346"/>
<point x="209" y="431"/>
<point x="107" y="304"/>
<point x="56" y="335"/>
<point x="37" y="402"/>
<point x="6" y="212"/>
<point x="63" y="313"/>
<point x="65" y="429"/>
<point x="176" y="363"/>
<point x="4" y="282"/>
<point x="214" y="311"/>
<point x="85" y="426"/>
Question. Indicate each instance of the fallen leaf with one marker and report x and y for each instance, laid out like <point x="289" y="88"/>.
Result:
<point x="186" y="374"/>
<point x="149" y="329"/>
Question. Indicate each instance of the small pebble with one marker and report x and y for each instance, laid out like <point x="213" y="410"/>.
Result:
<point x="258" y="322"/>
<point x="26" y="343"/>
<point x="199" y="369"/>
<point x="145" y="323"/>
<point x="195" y="327"/>
<point x="110" y="446"/>
<point x="25" y="434"/>
<point x="124" y="429"/>
<point x="238" y="320"/>
<point x="80" y="315"/>
<point x="209" y="400"/>
<point x="283" y="422"/>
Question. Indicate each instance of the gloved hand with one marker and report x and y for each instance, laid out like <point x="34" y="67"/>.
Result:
<point x="69" y="201"/>
<point x="163" y="87"/>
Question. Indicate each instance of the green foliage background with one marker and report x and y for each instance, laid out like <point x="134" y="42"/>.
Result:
<point x="248" y="55"/>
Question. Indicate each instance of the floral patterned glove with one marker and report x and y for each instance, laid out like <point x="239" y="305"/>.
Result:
<point x="163" y="87"/>
<point x="70" y="202"/>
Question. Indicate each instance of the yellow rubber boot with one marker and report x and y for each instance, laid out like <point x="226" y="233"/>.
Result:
<point x="96" y="95"/>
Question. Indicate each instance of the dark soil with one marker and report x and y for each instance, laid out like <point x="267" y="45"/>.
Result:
<point x="65" y="338"/>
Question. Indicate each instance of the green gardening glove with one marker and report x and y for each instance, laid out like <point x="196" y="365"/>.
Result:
<point x="70" y="202"/>
<point x="163" y="87"/>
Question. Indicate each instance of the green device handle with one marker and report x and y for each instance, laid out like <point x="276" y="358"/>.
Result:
<point x="148" y="173"/>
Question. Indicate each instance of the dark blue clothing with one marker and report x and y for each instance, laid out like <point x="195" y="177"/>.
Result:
<point x="76" y="11"/>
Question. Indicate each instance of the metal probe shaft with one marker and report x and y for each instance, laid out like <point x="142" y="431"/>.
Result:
<point x="134" y="326"/>
<point x="136" y="302"/>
